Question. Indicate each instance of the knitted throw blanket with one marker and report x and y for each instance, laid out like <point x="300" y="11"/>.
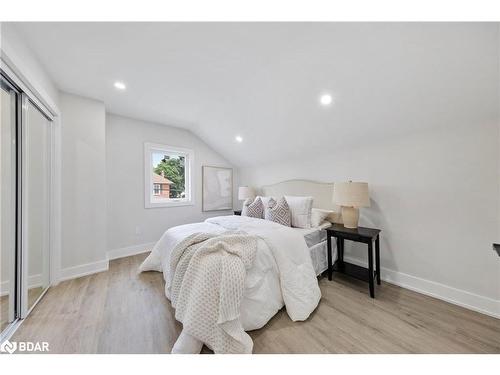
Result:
<point x="207" y="274"/>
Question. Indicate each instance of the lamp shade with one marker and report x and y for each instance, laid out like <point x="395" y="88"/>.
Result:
<point x="245" y="192"/>
<point x="351" y="194"/>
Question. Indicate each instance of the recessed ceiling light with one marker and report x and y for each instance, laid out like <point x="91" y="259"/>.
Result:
<point x="120" y="85"/>
<point x="238" y="139"/>
<point x="325" y="100"/>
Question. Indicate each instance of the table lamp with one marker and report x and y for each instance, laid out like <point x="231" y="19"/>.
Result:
<point x="351" y="195"/>
<point x="245" y="192"/>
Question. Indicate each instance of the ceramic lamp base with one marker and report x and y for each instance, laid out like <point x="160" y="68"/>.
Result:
<point x="350" y="217"/>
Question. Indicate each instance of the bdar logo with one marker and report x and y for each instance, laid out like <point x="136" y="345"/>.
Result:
<point x="8" y="347"/>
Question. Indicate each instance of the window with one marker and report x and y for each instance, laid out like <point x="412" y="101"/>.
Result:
<point x="168" y="176"/>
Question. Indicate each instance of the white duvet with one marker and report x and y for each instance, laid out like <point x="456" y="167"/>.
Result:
<point x="282" y="273"/>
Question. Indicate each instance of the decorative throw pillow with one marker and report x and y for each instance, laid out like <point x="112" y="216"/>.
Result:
<point x="254" y="209"/>
<point x="269" y="203"/>
<point x="278" y="212"/>
<point x="300" y="208"/>
<point x="265" y="202"/>
<point x="318" y="216"/>
<point x="244" y="209"/>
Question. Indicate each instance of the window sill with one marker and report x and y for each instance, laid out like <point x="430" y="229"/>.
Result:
<point x="168" y="204"/>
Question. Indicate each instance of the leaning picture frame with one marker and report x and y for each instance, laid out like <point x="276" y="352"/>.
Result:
<point x="217" y="188"/>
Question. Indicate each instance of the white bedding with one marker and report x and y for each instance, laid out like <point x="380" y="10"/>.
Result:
<point x="267" y="287"/>
<point x="314" y="236"/>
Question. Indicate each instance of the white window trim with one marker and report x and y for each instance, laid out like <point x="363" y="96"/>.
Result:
<point x="148" y="176"/>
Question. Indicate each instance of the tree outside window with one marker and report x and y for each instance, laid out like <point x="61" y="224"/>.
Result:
<point x="173" y="168"/>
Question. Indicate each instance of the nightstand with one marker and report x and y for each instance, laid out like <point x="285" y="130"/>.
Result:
<point x="237" y="212"/>
<point x="360" y="234"/>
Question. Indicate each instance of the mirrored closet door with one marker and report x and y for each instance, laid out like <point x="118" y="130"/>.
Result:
<point x="36" y="202"/>
<point x="25" y="204"/>
<point x="8" y="116"/>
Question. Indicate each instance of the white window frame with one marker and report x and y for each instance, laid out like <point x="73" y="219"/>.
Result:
<point x="149" y="202"/>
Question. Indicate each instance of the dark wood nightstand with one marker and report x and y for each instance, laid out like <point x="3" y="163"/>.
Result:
<point x="237" y="212"/>
<point x="360" y="234"/>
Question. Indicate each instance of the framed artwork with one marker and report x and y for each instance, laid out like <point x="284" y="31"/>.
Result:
<point x="217" y="194"/>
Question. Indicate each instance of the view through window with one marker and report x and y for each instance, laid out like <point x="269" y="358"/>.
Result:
<point x="169" y="179"/>
<point x="168" y="182"/>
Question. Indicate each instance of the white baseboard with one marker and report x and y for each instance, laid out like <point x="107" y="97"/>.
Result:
<point x="83" y="270"/>
<point x="4" y="288"/>
<point x="130" y="250"/>
<point x="34" y="281"/>
<point x="471" y="301"/>
<point x="103" y="265"/>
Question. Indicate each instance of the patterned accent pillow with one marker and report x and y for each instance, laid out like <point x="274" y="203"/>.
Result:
<point x="269" y="203"/>
<point x="278" y="212"/>
<point x="253" y="209"/>
<point x="265" y="201"/>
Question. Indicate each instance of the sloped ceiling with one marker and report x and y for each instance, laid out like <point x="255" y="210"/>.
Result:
<point x="262" y="80"/>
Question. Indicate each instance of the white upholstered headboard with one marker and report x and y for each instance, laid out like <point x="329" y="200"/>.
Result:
<point x="321" y="192"/>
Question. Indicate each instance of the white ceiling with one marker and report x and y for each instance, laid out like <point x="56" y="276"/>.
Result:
<point x="262" y="81"/>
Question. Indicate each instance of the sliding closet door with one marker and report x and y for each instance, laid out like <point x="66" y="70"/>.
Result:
<point x="8" y="110"/>
<point x="36" y="203"/>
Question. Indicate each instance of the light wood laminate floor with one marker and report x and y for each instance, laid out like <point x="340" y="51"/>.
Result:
<point x="121" y="311"/>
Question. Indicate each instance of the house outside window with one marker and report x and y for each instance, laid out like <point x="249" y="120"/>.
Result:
<point x="161" y="185"/>
<point x="168" y="180"/>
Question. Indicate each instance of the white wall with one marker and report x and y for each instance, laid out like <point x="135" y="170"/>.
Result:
<point x="15" y="50"/>
<point x="128" y="222"/>
<point x="83" y="183"/>
<point x="434" y="195"/>
<point x="434" y="185"/>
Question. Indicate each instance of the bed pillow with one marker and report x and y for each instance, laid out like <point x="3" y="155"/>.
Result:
<point x="300" y="208"/>
<point x="265" y="202"/>
<point x="253" y="208"/>
<point x="318" y="216"/>
<point x="278" y="212"/>
<point x="244" y="208"/>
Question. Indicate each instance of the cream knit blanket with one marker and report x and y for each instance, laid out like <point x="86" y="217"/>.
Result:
<point x="207" y="274"/>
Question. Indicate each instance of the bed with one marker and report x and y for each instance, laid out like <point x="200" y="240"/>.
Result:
<point x="281" y="272"/>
